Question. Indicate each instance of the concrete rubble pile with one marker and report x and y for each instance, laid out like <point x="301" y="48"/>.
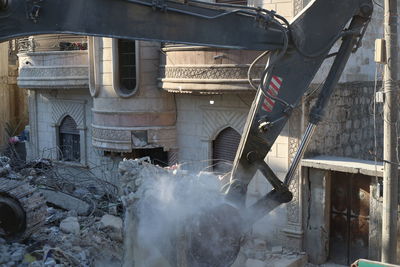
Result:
<point x="158" y="203"/>
<point x="83" y="224"/>
<point x="82" y="227"/>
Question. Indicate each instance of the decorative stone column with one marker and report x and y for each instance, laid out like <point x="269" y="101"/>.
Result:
<point x="294" y="229"/>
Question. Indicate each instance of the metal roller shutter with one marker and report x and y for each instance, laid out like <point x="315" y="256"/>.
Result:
<point x="224" y="149"/>
<point x="68" y="126"/>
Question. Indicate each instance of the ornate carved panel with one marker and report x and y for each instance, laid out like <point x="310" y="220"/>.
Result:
<point x="111" y="134"/>
<point x="223" y="72"/>
<point x="214" y="120"/>
<point x="62" y="107"/>
<point x="293" y="230"/>
<point x="55" y="71"/>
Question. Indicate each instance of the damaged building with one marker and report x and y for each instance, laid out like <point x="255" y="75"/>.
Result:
<point x="95" y="101"/>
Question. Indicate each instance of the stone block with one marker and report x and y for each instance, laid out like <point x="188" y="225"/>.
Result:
<point x="70" y="225"/>
<point x="112" y="222"/>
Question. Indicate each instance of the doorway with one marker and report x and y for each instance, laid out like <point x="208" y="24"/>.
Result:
<point x="349" y="217"/>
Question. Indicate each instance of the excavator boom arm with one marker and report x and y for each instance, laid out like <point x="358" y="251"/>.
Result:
<point x="154" y="20"/>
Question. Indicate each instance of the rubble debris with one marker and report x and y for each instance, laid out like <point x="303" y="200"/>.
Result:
<point x="66" y="201"/>
<point x="177" y="211"/>
<point x="94" y="238"/>
<point x="5" y="167"/>
<point x="70" y="236"/>
<point x="161" y="207"/>
<point x="70" y="225"/>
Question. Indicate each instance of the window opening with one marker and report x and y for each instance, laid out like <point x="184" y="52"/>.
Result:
<point x="127" y="65"/>
<point x="69" y="140"/>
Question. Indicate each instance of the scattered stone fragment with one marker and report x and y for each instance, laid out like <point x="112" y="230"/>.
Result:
<point x="114" y="224"/>
<point x="70" y="225"/>
<point x="110" y="221"/>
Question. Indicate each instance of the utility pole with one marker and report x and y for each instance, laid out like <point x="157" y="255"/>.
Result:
<point x="390" y="109"/>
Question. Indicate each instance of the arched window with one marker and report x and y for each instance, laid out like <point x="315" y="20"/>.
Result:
<point x="69" y="140"/>
<point x="224" y="150"/>
<point x="125" y="60"/>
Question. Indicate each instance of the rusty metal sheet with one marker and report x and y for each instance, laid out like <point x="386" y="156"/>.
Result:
<point x="349" y="228"/>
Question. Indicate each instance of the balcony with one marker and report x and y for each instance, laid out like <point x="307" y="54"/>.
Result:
<point x="53" y="62"/>
<point x="205" y="70"/>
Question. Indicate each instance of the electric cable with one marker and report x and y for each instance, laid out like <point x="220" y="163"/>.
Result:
<point x="255" y="61"/>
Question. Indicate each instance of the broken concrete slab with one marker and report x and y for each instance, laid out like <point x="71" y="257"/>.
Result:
<point x="66" y="201"/>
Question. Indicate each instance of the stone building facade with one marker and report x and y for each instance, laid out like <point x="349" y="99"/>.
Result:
<point x="180" y="102"/>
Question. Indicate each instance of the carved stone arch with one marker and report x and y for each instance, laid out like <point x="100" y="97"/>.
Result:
<point x="222" y="128"/>
<point x="216" y="120"/>
<point x="62" y="117"/>
<point x="74" y="108"/>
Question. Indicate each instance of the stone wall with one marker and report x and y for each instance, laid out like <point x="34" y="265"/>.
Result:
<point x="348" y="127"/>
